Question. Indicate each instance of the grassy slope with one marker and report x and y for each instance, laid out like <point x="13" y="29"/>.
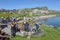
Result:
<point x="2" y="14"/>
<point x="49" y="34"/>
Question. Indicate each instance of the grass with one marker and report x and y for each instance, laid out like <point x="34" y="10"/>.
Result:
<point x="49" y="34"/>
<point x="5" y="14"/>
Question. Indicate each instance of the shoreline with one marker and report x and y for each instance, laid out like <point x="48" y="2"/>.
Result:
<point x="52" y="26"/>
<point x="48" y="16"/>
<point x="43" y="17"/>
<point x="38" y="17"/>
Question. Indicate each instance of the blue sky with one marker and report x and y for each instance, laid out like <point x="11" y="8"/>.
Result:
<point x="20" y="4"/>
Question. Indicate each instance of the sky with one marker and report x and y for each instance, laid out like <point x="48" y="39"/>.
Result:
<point x="20" y="4"/>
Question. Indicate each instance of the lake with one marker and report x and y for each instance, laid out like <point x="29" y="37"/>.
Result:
<point x="54" y="21"/>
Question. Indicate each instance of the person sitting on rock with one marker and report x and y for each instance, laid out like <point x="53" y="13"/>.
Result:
<point x="3" y="35"/>
<point x="27" y="29"/>
<point x="37" y="27"/>
<point x="4" y="21"/>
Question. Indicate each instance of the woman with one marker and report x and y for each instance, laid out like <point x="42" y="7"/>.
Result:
<point x="13" y="29"/>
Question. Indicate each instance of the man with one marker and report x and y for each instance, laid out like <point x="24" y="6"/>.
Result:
<point x="13" y="29"/>
<point x="26" y="26"/>
<point x="4" y="21"/>
<point x="3" y="35"/>
<point x="27" y="29"/>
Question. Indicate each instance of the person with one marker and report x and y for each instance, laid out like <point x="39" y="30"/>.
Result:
<point x="13" y="29"/>
<point x="33" y="27"/>
<point x="3" y="35"/>
<point x="26" y="26"/>
<point x="4" y="21"/>
<point x="16" y="24"/>
<point x="8" y="19"/>
<point x="27" y="29"/>
<point x="37" y="27"/>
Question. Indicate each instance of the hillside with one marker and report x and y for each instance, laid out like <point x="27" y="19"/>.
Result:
<point x="27" y="12"/>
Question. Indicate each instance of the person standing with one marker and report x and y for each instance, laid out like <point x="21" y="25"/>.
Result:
<point x="13" y="29"/>
<point x="3" y="35"/>
<point x="27" y="29"/>
<point x="26" y="26"/>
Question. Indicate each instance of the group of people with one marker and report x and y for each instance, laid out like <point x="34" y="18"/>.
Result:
<point x="5" y="23"/>
<point x="25" y="27"/>
<point x="30" y="27"/>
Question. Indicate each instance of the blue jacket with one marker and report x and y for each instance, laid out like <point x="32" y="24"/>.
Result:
<point x="26" y="25"/>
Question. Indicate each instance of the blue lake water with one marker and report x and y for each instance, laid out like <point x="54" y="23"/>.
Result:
<point x="54" y="21"/>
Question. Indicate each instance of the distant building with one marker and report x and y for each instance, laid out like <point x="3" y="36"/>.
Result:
<point x="44" y="11"/>
<point x="37" y="11"/>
